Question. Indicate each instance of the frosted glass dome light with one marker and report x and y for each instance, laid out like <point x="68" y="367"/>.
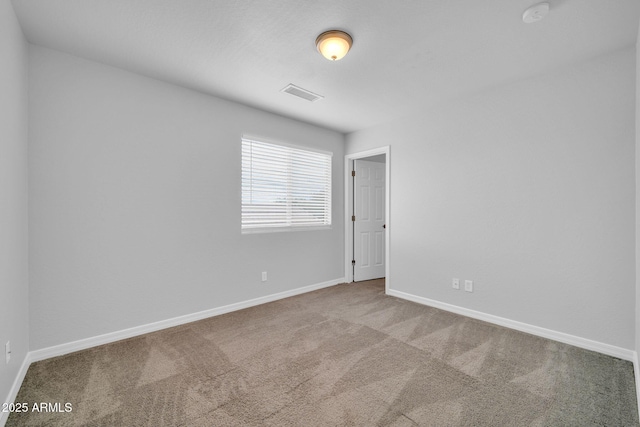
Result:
<point x="334" y="44"/>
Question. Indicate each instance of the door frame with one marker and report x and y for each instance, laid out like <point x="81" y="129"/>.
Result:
<point x="348" y="235"/>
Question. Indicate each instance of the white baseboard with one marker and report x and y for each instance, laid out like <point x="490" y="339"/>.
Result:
<point x="83" y="344"/>
<point x="637" y="375"/>
<point x="610" y="350"/>
<point x="15" y="387"/>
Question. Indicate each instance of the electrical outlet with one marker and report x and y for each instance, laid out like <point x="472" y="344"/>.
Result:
<point x="264" y="276"/>
<point x="7" y="351"/>
<point x="455" y="284"/>
<point x="468" y="285"/>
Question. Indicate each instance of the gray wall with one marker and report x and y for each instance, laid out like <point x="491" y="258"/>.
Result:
<point x="637" y="157"/>
<point x="527" y="189"/>
<point x="14" y="310"/>
<point x="134" y="192"/>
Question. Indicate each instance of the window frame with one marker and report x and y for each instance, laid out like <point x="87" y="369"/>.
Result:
<point x="298" y="149"/>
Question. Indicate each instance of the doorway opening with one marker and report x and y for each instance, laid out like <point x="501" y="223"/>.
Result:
<point x="367" y="215"/>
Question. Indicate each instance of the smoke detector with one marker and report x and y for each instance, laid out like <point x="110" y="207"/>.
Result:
<point x="535" y="13"/>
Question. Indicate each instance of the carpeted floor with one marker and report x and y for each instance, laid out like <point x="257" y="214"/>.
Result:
<point x="342" y="356"/>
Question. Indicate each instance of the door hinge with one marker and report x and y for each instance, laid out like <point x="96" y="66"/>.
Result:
<point x="353" y="173"/>
<point x="353" y="262"/>
<point x="353" y="217"/>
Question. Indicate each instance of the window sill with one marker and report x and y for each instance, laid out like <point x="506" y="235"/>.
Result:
<point x="284" y="229"/>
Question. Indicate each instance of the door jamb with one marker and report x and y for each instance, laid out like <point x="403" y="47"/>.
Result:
<point x="348" y="243"/>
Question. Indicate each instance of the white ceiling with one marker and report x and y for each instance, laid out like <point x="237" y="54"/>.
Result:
<point x="406" y="55"/>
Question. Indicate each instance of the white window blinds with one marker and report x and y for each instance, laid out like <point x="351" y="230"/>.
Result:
<point x="284" y="187"/>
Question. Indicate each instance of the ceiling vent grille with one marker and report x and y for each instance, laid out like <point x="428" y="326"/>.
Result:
<point x="301" y="93"/>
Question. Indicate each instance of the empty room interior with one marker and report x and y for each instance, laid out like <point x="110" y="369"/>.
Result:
<point x="319" y="213"/>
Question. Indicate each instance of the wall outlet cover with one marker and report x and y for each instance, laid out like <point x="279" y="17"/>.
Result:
<point x="468" y="285"/>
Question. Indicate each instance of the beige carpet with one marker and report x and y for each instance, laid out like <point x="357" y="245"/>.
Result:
<point x="342" y="356"/>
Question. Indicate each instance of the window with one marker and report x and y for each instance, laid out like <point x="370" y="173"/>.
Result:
<point x="284" y="188"/>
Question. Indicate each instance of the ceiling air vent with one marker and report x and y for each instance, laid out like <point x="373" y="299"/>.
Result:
<point x="301" y="93"/>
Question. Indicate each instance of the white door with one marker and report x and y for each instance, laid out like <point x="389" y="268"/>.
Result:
<point x="369" y="225"/>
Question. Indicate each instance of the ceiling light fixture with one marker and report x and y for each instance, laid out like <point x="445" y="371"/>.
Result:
<point x="334" y="44"/>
